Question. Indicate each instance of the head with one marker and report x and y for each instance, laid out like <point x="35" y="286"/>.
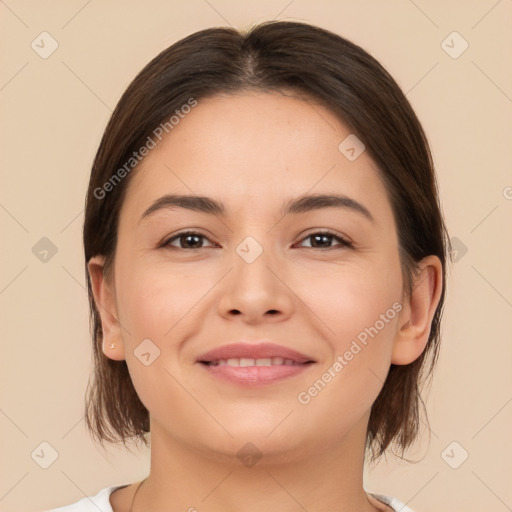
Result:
<point x="255" y="120"/>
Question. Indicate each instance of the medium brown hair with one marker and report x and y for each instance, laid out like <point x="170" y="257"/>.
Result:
<point x="274" y="56"/>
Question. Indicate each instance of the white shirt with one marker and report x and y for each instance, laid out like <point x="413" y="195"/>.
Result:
<point x="101" y="502"/>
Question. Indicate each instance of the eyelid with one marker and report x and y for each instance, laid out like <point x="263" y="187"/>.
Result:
<point x="166" y="241"/>
<point x="343" y="241"/>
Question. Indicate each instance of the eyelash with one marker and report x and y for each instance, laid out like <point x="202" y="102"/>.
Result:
<point x="343" y="242"/>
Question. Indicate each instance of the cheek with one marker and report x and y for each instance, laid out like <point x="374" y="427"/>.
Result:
<point x="351" y="300"/>
<point x="152" y="294"/>
<point x="361" y="309"/>
<point x="151" y="302"/>
<point x="153" y="306"/>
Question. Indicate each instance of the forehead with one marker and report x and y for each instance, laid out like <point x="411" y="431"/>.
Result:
<point x="254" y="148"/>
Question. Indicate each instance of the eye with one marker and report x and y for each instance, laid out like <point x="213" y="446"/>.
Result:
<point x="186" y="240"/>
<point x="192" y="240"/>
<point x="321" y="240"/>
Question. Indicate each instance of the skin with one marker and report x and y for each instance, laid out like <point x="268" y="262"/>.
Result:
<point x="255" y="151"/>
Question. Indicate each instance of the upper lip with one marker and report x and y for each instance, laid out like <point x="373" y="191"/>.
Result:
<point x="253" y="351"/>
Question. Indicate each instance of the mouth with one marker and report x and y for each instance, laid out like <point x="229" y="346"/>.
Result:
<point x="246" y="361"/>
<point x="253" y="365"/>
<point x="263" y="353"/>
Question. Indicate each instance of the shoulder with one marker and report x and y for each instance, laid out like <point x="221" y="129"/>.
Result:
<point x="99" y="502"/>
<point x="394" y="503"/>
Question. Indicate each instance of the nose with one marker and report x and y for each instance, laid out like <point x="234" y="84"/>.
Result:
<point x="256" y="289"/>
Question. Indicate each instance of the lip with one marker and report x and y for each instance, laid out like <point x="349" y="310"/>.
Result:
<point x="254" y="351"/>
<point x="254" y="376"/>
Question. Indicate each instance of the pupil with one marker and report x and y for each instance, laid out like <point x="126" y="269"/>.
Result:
<point x="324" y="238"/>
<point x="196" y="237"/>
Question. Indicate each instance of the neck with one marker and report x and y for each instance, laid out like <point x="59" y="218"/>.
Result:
<point x="319" y="478"/>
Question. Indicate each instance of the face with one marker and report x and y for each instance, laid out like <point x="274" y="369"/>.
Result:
<point x="254" y="273"/>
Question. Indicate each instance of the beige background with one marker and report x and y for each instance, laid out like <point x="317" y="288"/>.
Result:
<point x="54" y="112"/>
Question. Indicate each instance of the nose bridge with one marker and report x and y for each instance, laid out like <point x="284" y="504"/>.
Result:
<point x="253" y="235"/>
<point x="255" y="285"/>
<point x="253" y="259"/>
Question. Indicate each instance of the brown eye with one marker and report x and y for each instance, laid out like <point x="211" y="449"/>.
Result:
<point x="323" y="240"/>
<point x="192" y="241"/>
<point x="186" y="240"/>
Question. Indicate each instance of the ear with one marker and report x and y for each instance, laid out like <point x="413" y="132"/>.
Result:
<point x="418" y="312"/>
<point x="104" y="298"/>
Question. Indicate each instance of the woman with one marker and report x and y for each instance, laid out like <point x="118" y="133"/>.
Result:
<point x="265" y="256"/>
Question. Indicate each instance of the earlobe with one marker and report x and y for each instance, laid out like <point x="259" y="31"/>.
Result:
<point x="418" y="312"/>
<point x="104" y="299"/>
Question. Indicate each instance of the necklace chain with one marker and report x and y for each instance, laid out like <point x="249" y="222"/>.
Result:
<point x="133" y="501"/>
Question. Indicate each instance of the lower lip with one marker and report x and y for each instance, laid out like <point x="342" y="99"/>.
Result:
<point x="255" y="375"/>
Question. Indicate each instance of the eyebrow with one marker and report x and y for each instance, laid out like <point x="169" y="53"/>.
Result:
<point x="298" y="205"/>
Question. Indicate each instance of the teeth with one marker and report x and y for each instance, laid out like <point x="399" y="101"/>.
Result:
<point x="244" y="361"/>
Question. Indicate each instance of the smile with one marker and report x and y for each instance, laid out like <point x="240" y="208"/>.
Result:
<point x="253" y="373"/>
<point x="246" y="361"/>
